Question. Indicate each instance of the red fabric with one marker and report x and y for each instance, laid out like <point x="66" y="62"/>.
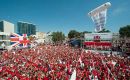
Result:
<point x="98" y="43"/>
<point x="9" y="79"/>
<point x="67" y="78"/>
<point x="94" y="72"/>
<point x="103" y="78"/>
<point x="45" y="78"/>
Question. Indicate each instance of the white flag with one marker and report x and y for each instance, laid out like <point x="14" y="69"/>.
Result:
<point x="114" y="63"/>
<point x="73" y="76"/>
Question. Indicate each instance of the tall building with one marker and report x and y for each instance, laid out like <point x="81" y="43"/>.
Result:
<point x="6" y="27"/>
<point x="26" y="28"/>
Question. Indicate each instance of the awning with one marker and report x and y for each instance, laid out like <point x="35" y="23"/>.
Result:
<point x="98" y="43"/>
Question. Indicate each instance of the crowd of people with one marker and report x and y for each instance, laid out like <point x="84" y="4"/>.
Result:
<point x="61" y="62"/>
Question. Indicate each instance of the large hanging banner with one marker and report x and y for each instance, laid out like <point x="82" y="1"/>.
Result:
<point x="98" y="16"/>
<point x="100" y="20"/>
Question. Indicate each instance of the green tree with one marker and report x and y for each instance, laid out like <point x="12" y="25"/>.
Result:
<point x="73" y="34"/>
<point x="86" y="32"/>
<point x="58" y="37"/>
<point x="104" y="31"/>
<point x="83" y="33"/>
<point x="125" y="31"/>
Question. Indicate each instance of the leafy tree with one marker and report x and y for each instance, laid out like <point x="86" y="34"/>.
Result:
<point x="104" y="31"/>
<point x="125" y="31"/>
<point x="58" y="37"/>
<point x="73" y="34"/>
<point x="82" y="33"/>
<point x="78" y="37"/>
<point x="86" y="32"/>
<point x="76" y="34"/>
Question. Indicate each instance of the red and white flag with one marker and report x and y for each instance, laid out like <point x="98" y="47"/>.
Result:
<point x="17" y="39"/>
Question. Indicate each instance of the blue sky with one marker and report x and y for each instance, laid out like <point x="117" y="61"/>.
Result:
<point x="64" y="15"/>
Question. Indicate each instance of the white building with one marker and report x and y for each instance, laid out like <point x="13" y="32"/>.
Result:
<point x="115" y="35"/>
<point x="6" y="27"/>
<point x="40" y="37"/>
<point x="4" y="39"/>
<point x="48" y="38"/>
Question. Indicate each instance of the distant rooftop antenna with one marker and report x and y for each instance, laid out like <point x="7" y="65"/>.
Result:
<point x="98" y="16"/>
